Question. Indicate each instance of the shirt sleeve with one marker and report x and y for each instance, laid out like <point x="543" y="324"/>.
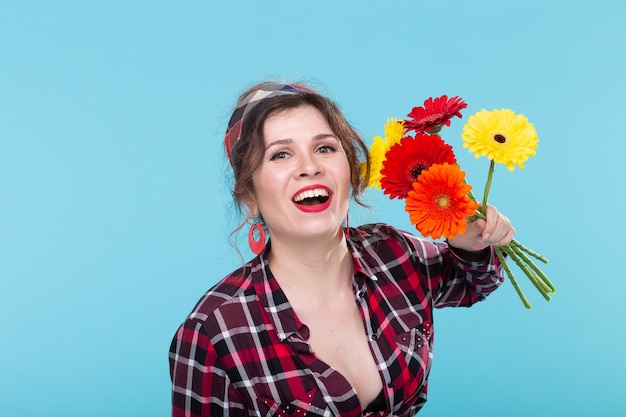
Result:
<point x="454" y="279"/>
<point x="200" y="386"/>
<point x="471" y="280"/>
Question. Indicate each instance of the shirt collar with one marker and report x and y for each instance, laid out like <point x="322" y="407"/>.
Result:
<point x="360" y="248"/>
<point x="274" y="301"/>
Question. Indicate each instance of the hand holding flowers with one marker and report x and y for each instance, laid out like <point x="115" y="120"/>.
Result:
<point x="422" y="169"/>
<point x="494" y="230"/>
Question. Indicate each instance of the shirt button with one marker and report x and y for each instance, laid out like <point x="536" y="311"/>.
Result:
<point x="374" y="337"/>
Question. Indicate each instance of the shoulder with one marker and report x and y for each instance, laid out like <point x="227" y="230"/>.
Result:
<point x="376" y="234"/>
<point x="230" y="307"/>
<point x="232" y="295"/>
<point x="388" y="243"/>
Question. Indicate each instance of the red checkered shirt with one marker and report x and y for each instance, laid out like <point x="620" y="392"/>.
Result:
<point x="244" y="352"/>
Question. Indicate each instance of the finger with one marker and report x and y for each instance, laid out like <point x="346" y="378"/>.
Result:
<point x="475" y="229"/>
<point x="502" y="228"/>
<point x="508" y="237"/>
<point x="505" y="234"/>
<point x="492" y="217"/>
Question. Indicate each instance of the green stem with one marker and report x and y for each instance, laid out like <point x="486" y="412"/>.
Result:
<point x="517" y="244"/>
<point x="470" y="194"/>
<point x="529" y="251"/>
<point x="508" y="271"/>
<point x="544" y="278"/>
<point x="530" y="274"/>
<point x="483" y="209"/>
<point x="473" y="198"/>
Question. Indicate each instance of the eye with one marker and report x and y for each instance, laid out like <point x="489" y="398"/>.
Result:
<point x="279" y="155"/>
<point x="326" y="149"/>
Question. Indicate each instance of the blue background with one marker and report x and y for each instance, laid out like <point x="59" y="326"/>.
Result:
<point x="114" y="194"/>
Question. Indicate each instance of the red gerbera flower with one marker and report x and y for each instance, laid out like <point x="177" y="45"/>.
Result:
<point x="405" y="161"/>
<point x="434" y="114"/>
<point x="438" y="205"/>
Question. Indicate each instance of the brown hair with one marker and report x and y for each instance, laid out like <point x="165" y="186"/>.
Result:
<point x="247" y="153"/>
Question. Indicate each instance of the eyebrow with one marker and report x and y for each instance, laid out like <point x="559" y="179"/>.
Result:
<point x="320" y="136"/>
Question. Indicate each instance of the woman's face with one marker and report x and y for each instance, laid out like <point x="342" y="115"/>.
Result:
<point x="302" y="187"/>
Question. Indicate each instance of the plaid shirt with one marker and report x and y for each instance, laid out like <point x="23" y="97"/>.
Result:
<point x="244" y="352"/>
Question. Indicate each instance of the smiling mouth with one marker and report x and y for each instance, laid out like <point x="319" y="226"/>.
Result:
<point x="312" y="197"/>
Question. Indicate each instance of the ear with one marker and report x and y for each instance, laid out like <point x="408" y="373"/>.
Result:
<point x="252" y="206"/>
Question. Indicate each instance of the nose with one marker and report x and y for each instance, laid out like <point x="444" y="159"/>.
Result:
<point x="308" y="166"/>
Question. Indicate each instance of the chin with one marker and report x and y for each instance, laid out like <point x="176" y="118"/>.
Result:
<point x="328" y="232"/>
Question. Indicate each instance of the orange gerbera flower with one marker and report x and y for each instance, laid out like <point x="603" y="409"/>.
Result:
<point x="405" y="161"/>
<point x="434" y="114"/>
<point x="438" y="204"/>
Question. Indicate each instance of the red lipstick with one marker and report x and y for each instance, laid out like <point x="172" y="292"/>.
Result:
<point x="313" y="198"/>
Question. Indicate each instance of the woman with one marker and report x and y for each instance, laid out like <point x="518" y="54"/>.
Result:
<point x="326" y="320"/>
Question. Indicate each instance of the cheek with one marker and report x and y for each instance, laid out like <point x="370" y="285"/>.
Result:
<point x="268" y="184"/>
<point x="344" y="174"/>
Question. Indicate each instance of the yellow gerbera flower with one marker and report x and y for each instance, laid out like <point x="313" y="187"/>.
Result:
<point x="394" y="132"/>
<point x="501" y="135"/>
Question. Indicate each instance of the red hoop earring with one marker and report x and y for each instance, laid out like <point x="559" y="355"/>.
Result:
<point x="256" y="246"/>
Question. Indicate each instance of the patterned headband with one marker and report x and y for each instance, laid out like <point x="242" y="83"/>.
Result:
<point x="247" y="103"/>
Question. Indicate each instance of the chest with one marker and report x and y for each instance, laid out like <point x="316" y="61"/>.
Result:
<point x="316" y="368"/>
<point x="338" y="337"/>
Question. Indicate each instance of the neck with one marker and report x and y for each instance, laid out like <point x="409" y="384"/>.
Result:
<point x="312" y="266"/>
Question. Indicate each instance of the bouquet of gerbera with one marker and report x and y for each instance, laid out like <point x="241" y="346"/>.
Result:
<point x="422" y="170"/>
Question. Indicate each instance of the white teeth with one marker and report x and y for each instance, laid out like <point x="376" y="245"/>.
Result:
<point x="318" y="192"/>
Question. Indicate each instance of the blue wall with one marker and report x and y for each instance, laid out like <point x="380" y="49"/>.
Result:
<point x="115" y="209"/>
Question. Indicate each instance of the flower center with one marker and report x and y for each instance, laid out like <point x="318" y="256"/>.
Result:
<point x="416" y="170"/>
<point x="499" y="138"/>
<point x="433" y="117"/>
<point x="442" y="201"/>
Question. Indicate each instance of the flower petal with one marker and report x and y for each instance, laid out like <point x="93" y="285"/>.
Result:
<point x="502" y="136"/>
<point x="422" y="203"/>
